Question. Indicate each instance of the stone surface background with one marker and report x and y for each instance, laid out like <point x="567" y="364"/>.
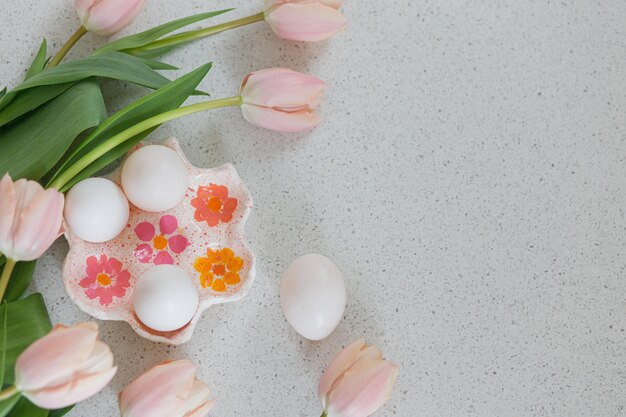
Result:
<point x="468" y="179"/>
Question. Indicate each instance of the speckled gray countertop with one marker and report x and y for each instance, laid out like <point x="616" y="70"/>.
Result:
<point x="469" y="180"/>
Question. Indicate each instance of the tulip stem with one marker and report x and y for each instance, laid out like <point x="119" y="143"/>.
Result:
<point x="62" y="180"/>
<point x="6" y="276"/>
<point x="184" y="37"/>
<point x="66" y="48"/>
<point x="8" y="393"/>
<point x="324" y="414"/>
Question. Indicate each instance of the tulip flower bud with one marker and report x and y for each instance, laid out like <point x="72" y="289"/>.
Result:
<point x="281" y="99"/>
<point x="170" y="389"/>
<point x="106" y="17"/>
<point x="30" y="218"/>
<point x="66" y="366"/>
<point x="305" y="20"/>
<point x="357" y="382"/>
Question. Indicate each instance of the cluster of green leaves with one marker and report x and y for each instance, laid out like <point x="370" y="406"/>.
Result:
<point x="47" y="124"/>
<point x="42" y="117"/>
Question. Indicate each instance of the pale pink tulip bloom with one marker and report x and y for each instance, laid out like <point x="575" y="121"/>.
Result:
<point x="30" y="218"/>
<point x="357" y="382"/>
<point x="106" y="17"/>
<point x="305" y="20"/>
<point x="66" y="366"/>
<point x="170" y="389"/>
<point x="281" y="99"/>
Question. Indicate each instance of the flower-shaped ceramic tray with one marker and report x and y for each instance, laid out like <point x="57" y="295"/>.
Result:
<point x="204" y="235"/>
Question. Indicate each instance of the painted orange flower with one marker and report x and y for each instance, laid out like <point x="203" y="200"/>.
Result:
<point x="213" y="205"/>
<point x="219" y="269"/>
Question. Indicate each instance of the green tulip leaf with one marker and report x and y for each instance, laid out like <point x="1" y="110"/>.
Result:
<point x="168" y="97"/>
<point x="26" y="321"/>
<point x="115" y="65"/>
<point x="20" y="280"/>
<point x="38" y="65"/>
<point x="60" y="412"/>
<point x="7" y="405"/>
<point x="157" y="65"/>
<point x="153" y="52"/>
<point x="25" y="408"/>
<point x="40" y="61"/>
<point x="107" y="159"/>
<point x="151" y="35"/>
<point x="35" y="143"/>
<point x="30" y="99"/>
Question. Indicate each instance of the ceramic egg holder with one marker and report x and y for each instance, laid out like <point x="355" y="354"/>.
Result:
<point x="204" y="235"/>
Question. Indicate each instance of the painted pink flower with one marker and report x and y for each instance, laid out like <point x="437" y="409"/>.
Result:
<point x="157" y="249"/>
<point x="105" y="279"/>
<point x="213" y="205"/>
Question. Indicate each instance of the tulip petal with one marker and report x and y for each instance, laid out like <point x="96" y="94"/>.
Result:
<point x="333" y="3"/>
<point x="159" y="392"/>
<point x="107" y="17"/>
<point x="202" y="411"/>
<point x="100" y="359"/>
<point x="40" y="218"/>
<point x="363" y="389"/>
<point x="54" y="358"/>
<point x="82" y="9"/>
<point x="197" y="403"/>
<point x="282" y="87"/>
<point x="78" y="389"/>
<point x="370" y="352"/>
<point x="336" y="4"/>
<point x="7" y="214"/>
<point x="310" y="22"/>
<point x="344" y="360"/>
<point x="280" y="121"/>
<point x="26" y="191"/>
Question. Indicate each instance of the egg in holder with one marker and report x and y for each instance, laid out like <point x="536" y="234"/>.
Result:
<point x="202" y="235"/>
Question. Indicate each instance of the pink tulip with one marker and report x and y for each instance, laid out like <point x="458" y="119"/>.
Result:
<point x="305" y="20"/>
<point x="170" y="389"/>
<point x="357" y="382"/>
<point x="64" y="367"/>
<point x="30" y="218"/>
<point x="281" y="99"/>
<point x="106" y="17"/>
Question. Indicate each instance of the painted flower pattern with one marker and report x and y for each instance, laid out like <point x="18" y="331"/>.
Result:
<point x="159" y="248"/>
<point x="105" y="279"/>
<point x="219" y="269"/>
<point x="213" y="205"/>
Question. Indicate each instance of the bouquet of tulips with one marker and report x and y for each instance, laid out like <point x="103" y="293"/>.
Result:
<point x="55" y="131"/>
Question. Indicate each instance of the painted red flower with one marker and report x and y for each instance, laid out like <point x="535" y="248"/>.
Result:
<point x="213" y="205"/>
<point x="158" y="250"/>
<point x="105" y="279"/>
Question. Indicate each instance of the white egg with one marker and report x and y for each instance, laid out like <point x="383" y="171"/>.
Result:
<point x="165" y="298"/>
<point x="313" y="296"/>
<point x="155" y="178"/>
<point x="96" y="210"/>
